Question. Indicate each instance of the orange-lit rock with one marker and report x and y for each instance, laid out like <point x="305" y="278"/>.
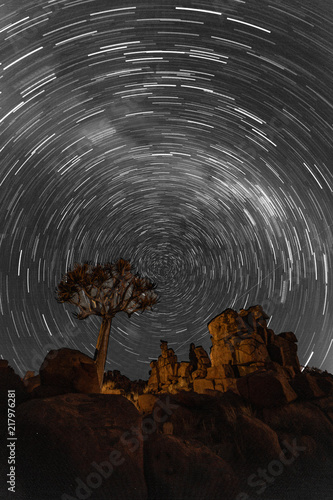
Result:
<point x="200" y="385"/>
<point x="165" y="369"/>
<point x="236" y="339"/>
<point x="241" y="345"/>
<point x="199" y="360"/>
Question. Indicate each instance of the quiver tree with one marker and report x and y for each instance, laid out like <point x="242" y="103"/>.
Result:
<point x="105" y="290"/>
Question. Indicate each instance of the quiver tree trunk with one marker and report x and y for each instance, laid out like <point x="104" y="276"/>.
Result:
<point x="102" y="348"/>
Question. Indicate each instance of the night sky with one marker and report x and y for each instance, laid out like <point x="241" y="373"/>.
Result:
<point x="193" y="138"/>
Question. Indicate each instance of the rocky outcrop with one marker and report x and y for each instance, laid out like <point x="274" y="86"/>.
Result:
<point x="116" y="383"/>
<point x="168" y="375"/>
<point x="243" y="341"/>
<point x="164" y="371"/>
<point x="246" y="357"/>
<point x="306" y="386"/>
<point x="241" y="345"/>
<point x="199" y="361"/>
<point x="68" y="370"/>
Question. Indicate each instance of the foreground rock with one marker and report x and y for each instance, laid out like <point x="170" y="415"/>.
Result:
<point x="241" y="423"/>
<point x="266" y="389"/>
<point x="68" y="370"/>
<point x="225" y="423"/>
<point x="186" y="446"/>
<point x="183" y="470"/>
<point x="79" y="444"/>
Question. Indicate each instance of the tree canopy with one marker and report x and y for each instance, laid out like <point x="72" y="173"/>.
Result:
<point x="104" y="290"/>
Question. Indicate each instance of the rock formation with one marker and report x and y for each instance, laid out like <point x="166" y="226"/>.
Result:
<point x="246" y="357"/>
<point x="116" y="383"/>
<point x="241" y="345"/>
<point x="243" y="341"/>
<point x="168" y="375"/>
<point x="164" y="371"/>
<point x="198" y="429"/>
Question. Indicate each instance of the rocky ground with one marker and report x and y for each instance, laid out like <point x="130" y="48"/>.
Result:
<point x="243" y="424"/>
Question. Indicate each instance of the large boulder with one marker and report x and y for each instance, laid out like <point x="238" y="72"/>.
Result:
<point x="266" y="389"/>
<point x="257" y="442"/>
<point x="241" y="345"/>
<point x="81" y="446"/>
<point x="146" y="403"/>
<point x="325" y="384"/>
<point x="225" y="324"/>
<point x="221" y="371"/>
<point x="69" y="370"/>
<point x="210" y="418"/>
<point x="326" y="405"/>
<point x="242" y="342"/>
<point x="324" y="381"/>
<point x="306" y="386"/>
<point x="250" y="351"/>
<point x="183" y="470"/>
<point x="303" y="418"/>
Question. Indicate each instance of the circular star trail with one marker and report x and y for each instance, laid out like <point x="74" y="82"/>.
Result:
<point x="193" y="138"/>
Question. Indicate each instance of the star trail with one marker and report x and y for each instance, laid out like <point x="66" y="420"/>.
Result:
<point x="193" y="138"/>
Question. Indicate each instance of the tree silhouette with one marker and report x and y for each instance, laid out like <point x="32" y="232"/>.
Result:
<point x="105" y="290"/>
